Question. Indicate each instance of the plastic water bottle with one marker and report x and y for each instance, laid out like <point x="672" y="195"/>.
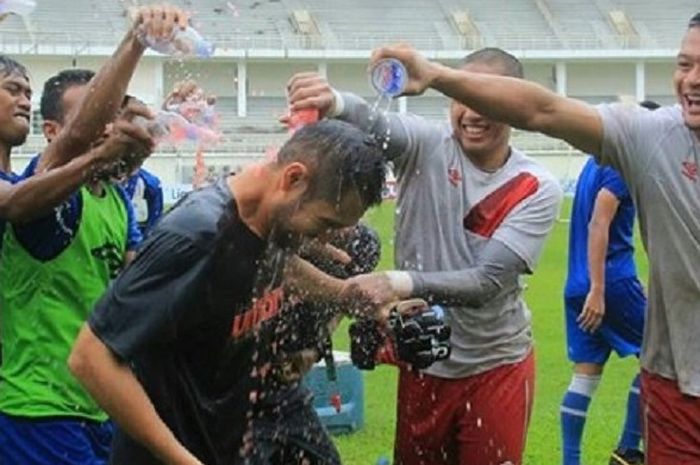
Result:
<point x="183" y="43"/>
<point x="173" y="128"/>
<point x="389" y="77"/>
<point x="198" y="112"/>
<point x="165" y="125"/>
<point x="300" y="118"/>
<point x="18" y="7"/>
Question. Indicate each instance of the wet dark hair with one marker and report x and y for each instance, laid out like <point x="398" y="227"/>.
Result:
<point x="694" y="21"/>
<point x="494" y="56"/>
<point x="51" y="106"/>
<point x="9" y="66"/>
<point x="649" y="105"/>
<point x="341" y="158"/>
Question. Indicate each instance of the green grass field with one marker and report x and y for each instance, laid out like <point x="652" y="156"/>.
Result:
<point x="544" y="296"/>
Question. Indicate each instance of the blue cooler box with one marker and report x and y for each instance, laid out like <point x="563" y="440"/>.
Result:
<point x="350" y="385"/>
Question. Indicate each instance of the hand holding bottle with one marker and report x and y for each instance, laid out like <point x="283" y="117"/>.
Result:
<point x="165" y="29"/>
<point x="183" y="43"/>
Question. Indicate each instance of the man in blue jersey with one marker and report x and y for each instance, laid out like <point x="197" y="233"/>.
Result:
<point x="146" y="194"/>
<point x="605" y="304"/>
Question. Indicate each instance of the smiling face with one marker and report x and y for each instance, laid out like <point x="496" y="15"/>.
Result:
<point x="481" y="138"/>
<point x="15" y="109"/>
<point x="686" y="78"/>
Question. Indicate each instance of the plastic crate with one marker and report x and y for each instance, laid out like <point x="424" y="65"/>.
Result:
<point x="350" y="385"/>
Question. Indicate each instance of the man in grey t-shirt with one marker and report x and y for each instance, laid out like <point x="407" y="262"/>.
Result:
<point x="472" y="217"/>
<point x="657" y="154"/>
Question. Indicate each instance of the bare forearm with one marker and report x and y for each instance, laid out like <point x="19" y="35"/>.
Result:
<point x="514" y="101"/>
<point x="98" y="107"/>
<point x="304" y="280"/>
<point x="116" y="389"/>
<point x="598" y="237"/>
<point x="34" y="197"/>
<point x="604" y="210"/>
<point x="522" y="104"/>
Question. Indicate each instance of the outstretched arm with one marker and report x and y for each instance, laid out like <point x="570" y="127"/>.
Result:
<point x="472" y="286"/>
<point x="520" y="103"/>
<point x="106" y="90"/>
<point x="35" y="196"/>
<point x="306" y="282"/>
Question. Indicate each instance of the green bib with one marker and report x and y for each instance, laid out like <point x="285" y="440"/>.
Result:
<point x="44" y="304"/>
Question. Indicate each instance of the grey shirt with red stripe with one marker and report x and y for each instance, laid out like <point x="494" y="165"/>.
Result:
<point x="465" y="236"/>
<point x="658" y="157"/>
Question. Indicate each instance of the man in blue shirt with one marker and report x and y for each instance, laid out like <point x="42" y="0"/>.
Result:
<point x="605" y="304"/>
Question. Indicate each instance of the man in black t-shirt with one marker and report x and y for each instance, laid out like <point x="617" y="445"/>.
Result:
<point x="174" y="351"/>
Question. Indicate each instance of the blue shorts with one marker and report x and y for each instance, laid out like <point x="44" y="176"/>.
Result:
<point x="622" y="328"/>
<point x="54" y="441"/>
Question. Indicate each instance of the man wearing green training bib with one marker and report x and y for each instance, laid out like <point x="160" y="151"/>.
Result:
<point x="53" y="270"/>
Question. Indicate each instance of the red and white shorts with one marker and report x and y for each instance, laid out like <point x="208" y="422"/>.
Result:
<point x="479" y="420"/>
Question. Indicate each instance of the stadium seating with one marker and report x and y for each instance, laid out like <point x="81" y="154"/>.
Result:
<point x="362" y="24"/>
<point x="70" y="28"/>
<point x="659" y="22"/>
